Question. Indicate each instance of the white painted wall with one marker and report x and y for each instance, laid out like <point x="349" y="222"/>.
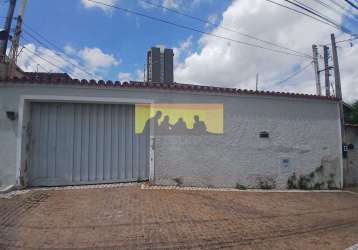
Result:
<point x="305" y="131"/>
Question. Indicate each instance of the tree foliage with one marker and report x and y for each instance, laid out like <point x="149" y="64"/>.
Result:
<point x="351" y="115"/>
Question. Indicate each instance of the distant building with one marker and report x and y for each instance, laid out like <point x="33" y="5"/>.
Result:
<point x="160" y="66"/>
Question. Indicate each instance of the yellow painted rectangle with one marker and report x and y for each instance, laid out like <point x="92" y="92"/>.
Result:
<point x="180" y="118"/>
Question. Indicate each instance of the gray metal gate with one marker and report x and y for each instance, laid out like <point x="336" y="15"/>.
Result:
<point x="75" y="144"/>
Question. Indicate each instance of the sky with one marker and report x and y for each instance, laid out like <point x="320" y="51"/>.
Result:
<point x="93" y="41"/>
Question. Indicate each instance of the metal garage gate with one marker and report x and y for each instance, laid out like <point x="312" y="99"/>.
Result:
<point x="86" y="143"/>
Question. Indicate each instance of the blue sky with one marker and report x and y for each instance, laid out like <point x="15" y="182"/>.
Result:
<point x="112" y="44"/>
<point x="126" y="37"/>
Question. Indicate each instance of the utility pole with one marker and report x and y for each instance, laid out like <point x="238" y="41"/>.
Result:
<point x="316" y="69"/>
<point x="257" y="81"/>
<point x="337" y="75"/>
<point x="16" y="40"/>
<point x="326" y="70"/>
<point x="6" y="31"/>
<point x="337" y="78"/>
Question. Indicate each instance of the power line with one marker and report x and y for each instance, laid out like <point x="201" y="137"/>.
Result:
<point x="347" y="40"/>
<point x="300" y="12"/>
<point x="294" y="74"/>
<point x="220" y="26"/>
<point x="48" y="61"/>
<point x="352" y="4"/>
<point x="342" y="41"/>
<point x="319" y="14"/>
<point x="43" y="37"/>
<point x="310" y="10"/>
<point x="58" y="54"/>
<point x="313" y="11"/>
<point x="39" y="64"/>
<point x="62" y="68"/>
<point x="328" y="7"/>
<point x="62" y="55"/>
<point x="337" y="4"/>
<point x="195" y="30"/>
<point x="339" y="13"/>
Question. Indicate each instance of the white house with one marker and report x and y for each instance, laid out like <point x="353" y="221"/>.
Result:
<point x="60" y="131"/>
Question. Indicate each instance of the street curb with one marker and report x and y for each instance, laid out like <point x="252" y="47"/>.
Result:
<point x="14" y="192"/>
<point x="7" y="189"/>
<point x="149" y="187"/>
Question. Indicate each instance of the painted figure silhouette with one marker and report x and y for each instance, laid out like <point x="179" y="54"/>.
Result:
<point x="165" y="126"/>
<point x="199" y="126"/>
<point x="179" y="127"/>
<point x="154" y="122"/>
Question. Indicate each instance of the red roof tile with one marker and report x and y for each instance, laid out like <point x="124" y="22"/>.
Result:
<point x="63" y="80"/>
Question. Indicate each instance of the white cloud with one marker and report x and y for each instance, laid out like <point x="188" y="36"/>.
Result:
<point x="124" y="76"/>
<point x="183" y="50"/>
<point x="212" y="19"/>
<point x="139" y="75"/>
<point x="88" y="63"/>
<point x="69" y="50"/>
<point x="226" y="63"/>
<point x="34" y="59"/>
<point x="173" y="4"/>
<point x="95" y="59"/>
<point x="88" y="4"/>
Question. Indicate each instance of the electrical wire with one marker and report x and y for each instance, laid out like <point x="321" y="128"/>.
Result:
<point x="313" y="17"/>
<point x="39" y="64"/>
<point x="352" y="18"/>
<point x="315" y="12"/>
<point x="302" y="13"/>
<point x="61" y="68"/>
<point x="339" y="27"/>
<point x="220" y="26"/>
<point x="347" y="40"/>
<point x="56" y="60"/>
<point x="42" y="37"/>
<point x="196" y="30"/>
<point x="337" y="4"/>
<point x="294" y="74"/>
<point x="62" y="55"/>
<point x="352" y="4"/>
<point x="342" y="41"/>
<point x="310" y="10"/>
<point x="323" y="16"/>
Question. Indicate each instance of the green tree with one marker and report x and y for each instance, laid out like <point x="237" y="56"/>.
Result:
<point x="351" y="115"/>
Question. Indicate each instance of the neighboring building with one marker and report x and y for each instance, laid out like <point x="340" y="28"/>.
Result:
<point x="160" y="67"/>
<point x="61" y="131"/>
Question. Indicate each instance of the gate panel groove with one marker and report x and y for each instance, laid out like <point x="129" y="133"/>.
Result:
<point x="75" y="143"/>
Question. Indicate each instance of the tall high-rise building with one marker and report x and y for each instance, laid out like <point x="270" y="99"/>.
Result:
<point x="160" y="67"/>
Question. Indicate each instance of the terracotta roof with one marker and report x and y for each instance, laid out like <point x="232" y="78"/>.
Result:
<point x="64" y="80"/>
